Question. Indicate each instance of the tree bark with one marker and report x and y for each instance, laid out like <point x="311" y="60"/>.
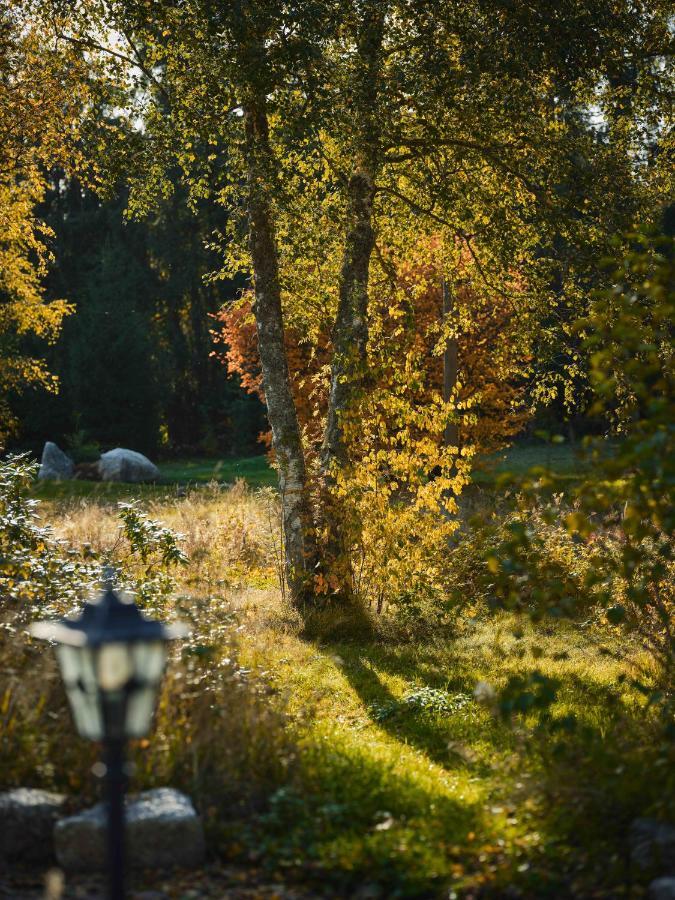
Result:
<point x="349" y="366"/>
<point x="450" y="368"/>
<point x="298" y="530"/>
<point x="350" y="333"/>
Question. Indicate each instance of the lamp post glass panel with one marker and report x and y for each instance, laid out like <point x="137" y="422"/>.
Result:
<point x="112" y="659"/>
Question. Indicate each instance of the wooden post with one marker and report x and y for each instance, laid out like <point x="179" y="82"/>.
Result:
<point x="450" y="362"/>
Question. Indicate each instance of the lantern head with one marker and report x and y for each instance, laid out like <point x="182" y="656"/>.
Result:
<point x="112" y="660"/>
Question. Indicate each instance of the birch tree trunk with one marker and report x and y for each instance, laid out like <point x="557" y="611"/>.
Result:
<point x="350" y="333"/>
<point x="298" y="529"/>
<point x="349" y="366"/>
<point x="450" y="367"/>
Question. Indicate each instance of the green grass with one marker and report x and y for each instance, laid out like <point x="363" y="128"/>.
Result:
<point x="99" y="491"/>
<point x="175" y="474"/>
<point x="255" y="470"/>
<point x="414" y="797"/>
<point x="340" y="752"/>
<point x="563" y="459"/>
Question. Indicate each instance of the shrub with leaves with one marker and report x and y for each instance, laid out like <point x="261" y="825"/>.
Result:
<point x="498" y="562"/>
<point x="384" y="516"/>
<point x="35" y="568"/>
<point x="154" y="550"/>
<point x="215" y="715"/>
<point x="622" y="512"/>
<point x="40" y="572"/>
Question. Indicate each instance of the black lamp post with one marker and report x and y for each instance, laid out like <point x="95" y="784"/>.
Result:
<point x="112" y="660"/>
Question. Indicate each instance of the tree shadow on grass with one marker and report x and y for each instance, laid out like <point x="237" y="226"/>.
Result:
<point x="442" y="735"/>
<point x="428" y="731"/>
<point x="593" y="701"/>
<point x="362" y="812"/>
<point x="583" y="785"/>
<point x="589" y="781"/>
<point x="354" y="812"/>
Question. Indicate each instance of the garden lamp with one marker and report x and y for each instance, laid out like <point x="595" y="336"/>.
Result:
<point x="112" y="659"/>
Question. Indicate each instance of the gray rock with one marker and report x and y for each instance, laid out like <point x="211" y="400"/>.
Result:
<point x="150" y="895"/>
<point x="27" y="818"/>
<point x="126" y="465"/>
<point x="652" y="845"/>
<point x="55" y="465"/>
<point x="163" y="830"/>
<point x="662" y="889"/>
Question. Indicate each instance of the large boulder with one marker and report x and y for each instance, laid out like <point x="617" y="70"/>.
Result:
<point x="27" y="817"/>
<point x="163" y="830"/>
<point x="55" y="465"/>
<point x="662" y="889"/>
<point x="126" y="465"/>
<point x="652" y="846"/>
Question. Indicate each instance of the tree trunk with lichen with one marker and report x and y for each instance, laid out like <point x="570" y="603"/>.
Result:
<point x="350" y="333"/>
<point x="450" y="367"/>
<point x="349" y="367"/>
<point x="298" y="528"/>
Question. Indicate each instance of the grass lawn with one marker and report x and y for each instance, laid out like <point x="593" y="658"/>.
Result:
<point x="406" y="782"/>
<point x="565" y="460"/>
<point x="257" y="472"/>
<point x="352" y="754"/>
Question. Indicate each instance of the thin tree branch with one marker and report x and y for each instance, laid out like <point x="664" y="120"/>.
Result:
<point x="90" y="44"/>
<point x="459" y="232"/>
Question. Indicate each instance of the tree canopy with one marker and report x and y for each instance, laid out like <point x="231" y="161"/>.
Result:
<point x="351" y="141"/>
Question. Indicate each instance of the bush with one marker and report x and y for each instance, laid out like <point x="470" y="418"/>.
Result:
<point x="621" y="514"/>
<point x="36" y="570"/>
<point x="222" y="732"/>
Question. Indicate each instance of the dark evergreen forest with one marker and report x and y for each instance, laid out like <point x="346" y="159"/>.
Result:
<point x="134" y="360"/>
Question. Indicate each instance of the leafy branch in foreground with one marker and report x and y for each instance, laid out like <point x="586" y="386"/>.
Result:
<point x="621" y="513"/>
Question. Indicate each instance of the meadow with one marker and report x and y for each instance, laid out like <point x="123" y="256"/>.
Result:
<point x="256" y="472"/>
<point x="352" y="751"/>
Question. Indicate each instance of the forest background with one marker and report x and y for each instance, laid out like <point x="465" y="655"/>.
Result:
<point x="135" y="363"/>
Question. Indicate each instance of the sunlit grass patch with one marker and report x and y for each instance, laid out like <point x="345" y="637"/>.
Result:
<point x="488" y="778"/>
<point x="346" y="749"/>
<point x="255" y="470"/>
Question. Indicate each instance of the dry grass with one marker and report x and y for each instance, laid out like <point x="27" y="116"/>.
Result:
<point x="275" y="726"/>
<point x="215" y="715"/>
<point x="227" y="531"/>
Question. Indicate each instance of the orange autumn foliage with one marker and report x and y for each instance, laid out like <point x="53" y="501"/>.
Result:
<point x="491" y="356"/>
<point x="237" y="347"/>
<point x="490" y="398"/>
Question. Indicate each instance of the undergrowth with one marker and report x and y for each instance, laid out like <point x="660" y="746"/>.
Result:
<point x="353" y="750"/>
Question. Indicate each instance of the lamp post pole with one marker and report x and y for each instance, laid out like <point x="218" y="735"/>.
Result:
<point x="115" y="785"/>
